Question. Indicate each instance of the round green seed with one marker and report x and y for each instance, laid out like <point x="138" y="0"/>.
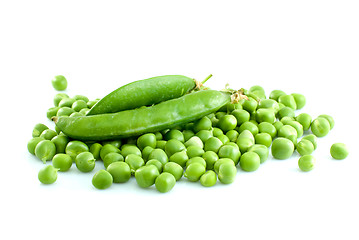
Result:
<point x="59" y="83"/>
<point x="227" y="173"/>
<point x="165" y="182"/>
<point x="282" y="148"/>
<point x="47" y="175"/>
<point x="250" y="161"/>
<point x="339" y="151"/>
<point x="85" y="162"/>
<point x="102" y="179"/>
<point x="120" y="171"/>
<point x="320" y="127"/>
<point x="45" y="150"/>
<point x="194" y="171"/>
<point x="306" y="163"/>
<point x="62" y="161"/>
<point x="175" y="169"/>
<point x="208" y="179"/>
<point x="146" y="175"/>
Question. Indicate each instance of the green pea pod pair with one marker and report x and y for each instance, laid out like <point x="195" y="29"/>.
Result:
<point x="144" y="93"/>
<point x="123" y="124"/>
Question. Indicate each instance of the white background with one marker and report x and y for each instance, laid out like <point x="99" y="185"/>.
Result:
<point x="310" y="47"/>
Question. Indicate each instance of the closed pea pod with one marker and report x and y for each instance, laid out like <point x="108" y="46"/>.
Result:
<point x="144" y="93"/>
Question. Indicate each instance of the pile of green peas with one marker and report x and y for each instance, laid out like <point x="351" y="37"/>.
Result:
<point x="238" y="136"/>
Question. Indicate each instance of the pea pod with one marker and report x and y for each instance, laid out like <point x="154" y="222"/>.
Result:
<point x="144" y="93"/>
<point x="135" y="122"/>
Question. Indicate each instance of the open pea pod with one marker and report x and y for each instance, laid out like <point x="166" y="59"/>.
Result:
<point x="144" y="93"/>
<point x="164" y="115"/>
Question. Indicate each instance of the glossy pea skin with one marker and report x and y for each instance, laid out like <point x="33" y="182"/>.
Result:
<point x="305" y="147"/>
<point x="208" y="179"/>
<point x="73" y="148"/>
<point x="134" y="161"/>
<point x="194" y="141"/>
<point x="60" y="142"/>
<point x="31" y="144"/>
<point x="204" y="135"/>
<point x="265" y="115"/>
<point x="210" y="157"/>
<point x="275" y="94"/>
<point x="312" y="138"/>
<point x="173" y="145"/>
<point x="250" y="161"/>
<point x="263" y="138"/>
<point x="59" y="83"/>
<point x="78" y="105"/>
<point x="52" y="112"/>
<point x="288" y="132"/>
<point x="146" y="175"/>
<point x="249" y="105"/>
<point x="112" y="157"/>
<point x="146" y="152"/>
<point x="48" y="134"/>
<point x="80" y="97"/>
<point x="261" y="150"/>
<point x="306" y="163"/>
<point x="220" y="162"/>
<point x="175" y="134"/>
<point x="95" y="149"/>
<point x="232" y="135"/>
<point x="202" y="124"/>
<point x="228" y="151"/>
<point x="212" y="144"/>
<point x="194" y="151"/>
<point x="299" y="100"/>
<point x="102" y="179"/>
<point x="47" y="175"/>
<point x="282" y="148"/>
<point x="148" y="139"/>
<point x="250" y="126"/>
<point x="339" y="151"/>
<point x="64" y="111"/>
<point x="196" y="160"/>
<point x="180" y="158"/>
<point x="158" y="154"/>
<point x="241" y="116"/>
<point x="130" y="149"/>
<point x="266" y="127"/>
<point x="109" y="148"/>
<point x="245" y="140"/>
<point x="175" y="169"/>
<point x="85" y="162"/>
<point x="329" y="118"/>
<point x="227" y="173"/>
<point x="120" y="171"/>
<point x="320" y="127"/>
<point x="45" y="150"/>
<point x="38" y="129"/>
<point x="155" y="163"/>
<point x="194" y="171"/>
<point x="305" y="120"/>
<point x="62" y="161"/>
<point x="288" y="100"/>
<point x="285" y="112"/>
<point x="58" y="97"/>
<point x="165" y="182"/>
<point x="227" y="122"/>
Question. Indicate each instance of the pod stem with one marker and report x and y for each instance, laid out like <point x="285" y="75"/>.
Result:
<point x="205" y="80"/>
<point x="199" y="84"/>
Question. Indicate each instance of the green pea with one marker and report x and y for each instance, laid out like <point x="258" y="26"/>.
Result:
<point x="245" y="140"/>
<point x="45" y="150"/>
<point x="227" y="122"/>
<point x="180" y="158"/>
<point x="249" y="105"/>
<point x="175" y="169"/>
<point x="84" y="111"/>
<point x="60" y="142"/>
<point x="58" y="97"/>
<point x="158" y="154"/>
<point x="52" y="112"/>
<point x="282" y="148"/>
<point x="339" y="151"/>
<point x="120" y="171"/>
<point x="85" y="162"/>
<point x="288" y="100"/>
<point x="194" y="151"/>
<point x="261" y="150"/>
<point x="212" y="144"/>
<point x="204" y="135"/>
<point x="305" y="147"/>
<point x="130" y="149"/>
<point x="146" y="152"/>
<point x="288" y="132"/>
<point x="187" y="134"/>
<point x="298" y="127"/>
<point x="91" y="103"/>
<point x="155" y="163"/>
<point x="102" y="179"/>
<point x="250" y="161"/>
<point x="241" y="116"/>
<point x="224" y="139"/>
<point x="76" y="114"/>
<point x="165" y="182"/>
<point x="47" y="175"/>
<point x="320" y="127"/>
<point x="31" y="144"/>
<point x="95" y="149"/>
<point x="228" y="151"/>
<point x="81" y="97"/>
<point x="62" y="161"/>
<point x="78" y="105"/>
<point x="306" y="163"/>
<point x="227" y="173"/>
<point x="194" y="141"/>
<point x="269" y="104"/>
<point x="221" y="161"/>
<point x="161" y="144"/>
<point x="134" y="161"/>
<point x="73" y="148"/>
<point x="312" y="138"/>
<point x="330" y="120"/>
<point x="66" y="102"/>
<point x="266" y="127"/>
<point x="112" y="157"/>
<point x="250" y="126"/>
<point x="174" y="134"/>
<point x="148" y="139"/>
<point x="208" y="179"/>
<point x="233" y="106"/>
<point x="65" y="111"/>
<point x="173" y="145"/>
<point x="305" y="120"/>
<point x="299" y="100"/>
<point x="232" y="135"/>
<point x="59" y="83"/>
<point x="194" y="171"/>
<point x="38" y="129"/>
<point x="217" y="132"/>
<point x="286" y="112"/>
<point x="278" y="125"/>
<point x="146" y="175"/>
<point x="275" y="94"/>
<point x="48" y="134"/>
<point x="202" y="124"/>
<point x="265" y="115"/>
<point x="263" y="138"/>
